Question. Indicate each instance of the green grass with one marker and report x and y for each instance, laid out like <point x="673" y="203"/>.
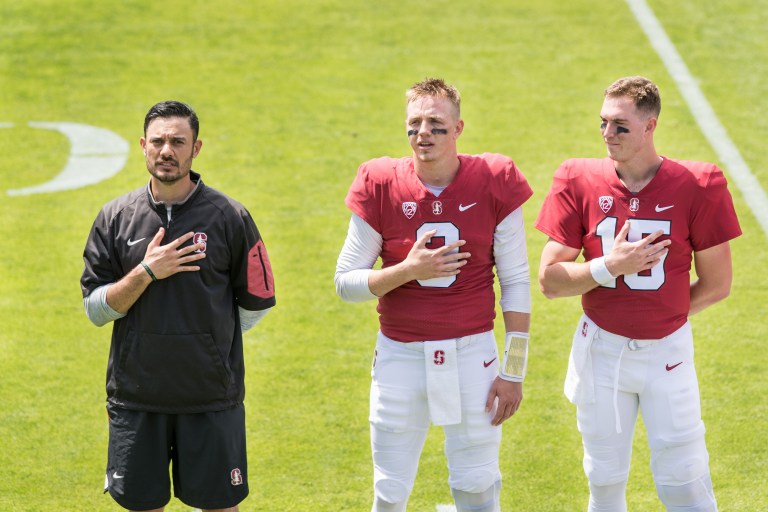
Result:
<point x="292" y="96"/>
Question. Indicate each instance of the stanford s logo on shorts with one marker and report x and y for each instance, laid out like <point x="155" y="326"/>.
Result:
<point x="236" y="477"/>
<point x="439" y="357"/>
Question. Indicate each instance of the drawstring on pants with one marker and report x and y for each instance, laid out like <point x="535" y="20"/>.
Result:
<point x="616" y="387"/>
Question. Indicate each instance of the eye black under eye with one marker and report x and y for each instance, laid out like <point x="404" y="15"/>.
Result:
<point x="619" y="129"/>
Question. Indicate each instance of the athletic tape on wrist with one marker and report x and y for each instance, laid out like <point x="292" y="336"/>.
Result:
<point x="515" y="361"/>
<point x="599" y="271"/>
<point x="146" y="267"/>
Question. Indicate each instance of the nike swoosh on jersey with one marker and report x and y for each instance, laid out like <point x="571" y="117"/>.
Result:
<point x="463" y="208"/>
<point x="663" y="208"/>
<point x="672" y="367"/>
<point x="134" y="242"/>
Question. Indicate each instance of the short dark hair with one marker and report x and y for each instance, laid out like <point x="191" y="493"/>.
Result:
<point x="172" y="108"/>
<point x="643" y="93"/>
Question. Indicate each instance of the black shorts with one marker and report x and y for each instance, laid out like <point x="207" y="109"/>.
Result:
<point x="207" y="452"/>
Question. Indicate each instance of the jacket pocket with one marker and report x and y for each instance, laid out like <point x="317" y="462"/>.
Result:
<point x="173" y="371"/>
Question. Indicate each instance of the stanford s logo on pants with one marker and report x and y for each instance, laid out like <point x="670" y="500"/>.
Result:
<point x="439" y="357"/>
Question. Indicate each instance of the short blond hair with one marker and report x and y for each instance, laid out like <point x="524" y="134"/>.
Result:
<point x="643" y="93"/>
<point x="435" y="88"/>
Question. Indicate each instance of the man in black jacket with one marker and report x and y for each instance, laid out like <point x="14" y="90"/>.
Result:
<point x="182" y="271"/>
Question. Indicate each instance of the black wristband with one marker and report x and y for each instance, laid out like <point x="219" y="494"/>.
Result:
<point x="146" y="267"/>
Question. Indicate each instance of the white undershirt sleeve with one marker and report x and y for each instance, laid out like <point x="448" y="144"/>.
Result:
<point x="360" y="252"/>
<point x="97" y="309"/>
<point x="249" y="318"/>
<point x="509" y="252"/>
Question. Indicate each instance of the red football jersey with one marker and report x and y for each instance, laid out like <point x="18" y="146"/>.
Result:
<point x="389" y="196"/>
<point x="689" y="201"/>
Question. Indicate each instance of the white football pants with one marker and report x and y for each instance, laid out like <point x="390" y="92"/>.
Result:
<point x="657" y="377"/>
<point x="400" y="417"/>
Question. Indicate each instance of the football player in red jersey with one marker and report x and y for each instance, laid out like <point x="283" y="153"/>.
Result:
<point x="641" y="220"/>
<point x="440" y="221"/>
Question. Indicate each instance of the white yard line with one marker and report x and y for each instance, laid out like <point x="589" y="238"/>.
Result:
<point x="702" y="111"/>
<point x="445" y="508"/>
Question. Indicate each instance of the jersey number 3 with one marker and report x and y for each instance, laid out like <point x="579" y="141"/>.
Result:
<point x="638" y="228"/>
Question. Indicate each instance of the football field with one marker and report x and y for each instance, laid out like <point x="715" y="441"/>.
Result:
<point x="292" y="96"/>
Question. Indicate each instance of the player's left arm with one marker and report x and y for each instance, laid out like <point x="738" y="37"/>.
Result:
<point x="509" y="393"/>
<point x="512" y="267"/>
<point x="251" y="273"/>
<point x="715" y="274"/>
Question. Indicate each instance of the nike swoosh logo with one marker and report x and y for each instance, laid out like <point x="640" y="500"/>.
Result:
<point x="670" y="368"/>
<point x="486" y="365"/>
<point x="463" y="208"/>
<point x="134" y="242"/>
<point x="115" y="475"/>
<point x="663" y="208"/>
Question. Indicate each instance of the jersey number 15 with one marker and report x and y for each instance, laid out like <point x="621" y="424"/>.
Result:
<point x="638" y="228"/>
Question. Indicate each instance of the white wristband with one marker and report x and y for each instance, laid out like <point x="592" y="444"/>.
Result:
<point x="515" y="361"/>
<point x="599" y="271"/>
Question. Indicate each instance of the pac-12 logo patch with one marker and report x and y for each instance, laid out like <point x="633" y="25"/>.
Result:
<point x="200" y="238"/>
<point x="236" y="477"/>
<point x="606" y="203"/>
<point x="409" y="209"/>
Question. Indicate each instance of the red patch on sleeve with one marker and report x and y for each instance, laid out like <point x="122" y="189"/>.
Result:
<point x="260" y="280"/>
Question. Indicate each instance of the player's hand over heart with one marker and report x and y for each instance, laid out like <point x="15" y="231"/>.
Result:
<point x="632" y="257"/>
<point x="425" y="263"/>
<point x="510" y="395"/>
<point x="166" y="260"/>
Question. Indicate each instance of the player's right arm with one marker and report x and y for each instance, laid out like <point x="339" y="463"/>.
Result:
<point x="112" y="301"/>
<point x="356" y="280"/>
<point x="162" y="260"/>
<point x="560" y="275"/>
<point x="421" y="263"/>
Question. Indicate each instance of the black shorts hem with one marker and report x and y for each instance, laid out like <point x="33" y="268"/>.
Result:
<point x="138" y="506"/>
<point x="205" y="505"/>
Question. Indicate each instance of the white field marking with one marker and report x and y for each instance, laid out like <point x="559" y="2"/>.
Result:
<point x="445" y="508"/>
<point x="6" y="125"/>
<point x="95" y="154"/>
<point x="702" y="111"/>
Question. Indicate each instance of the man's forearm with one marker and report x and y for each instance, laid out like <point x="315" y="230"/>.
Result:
<point x="383" y="281"/>
<point x="124" y="293"/>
